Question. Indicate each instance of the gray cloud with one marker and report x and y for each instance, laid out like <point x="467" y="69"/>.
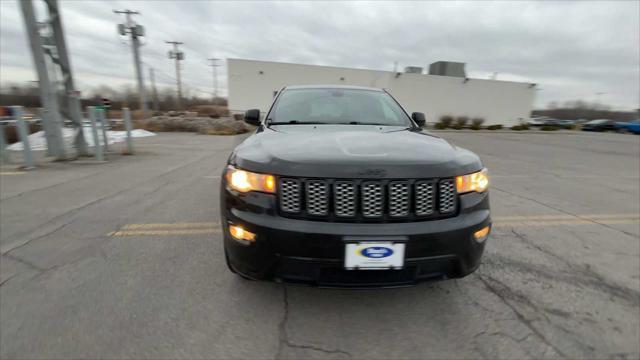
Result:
<point x="572" y="49"/>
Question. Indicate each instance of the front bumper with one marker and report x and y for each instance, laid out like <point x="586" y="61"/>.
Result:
<point x="312" y="252"/>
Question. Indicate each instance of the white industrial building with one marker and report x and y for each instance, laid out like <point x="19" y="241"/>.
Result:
<point x="252" y="85"/>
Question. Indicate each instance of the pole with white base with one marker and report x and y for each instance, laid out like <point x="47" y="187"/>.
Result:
<point x="127" y="125"/>
<point x="23" y="133"/>
<point x="97" y="148"/>
<point x="3" y="145"/>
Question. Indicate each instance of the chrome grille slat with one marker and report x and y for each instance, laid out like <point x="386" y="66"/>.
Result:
<point x="317" y="197"/>
<point x="344" y="198"/>
<point x="290" y="195"/>
<point x="447" y="196"/>
<point x="372" y="195"/>
<point x="399" y="199"/>
<point x="424" y="197"/>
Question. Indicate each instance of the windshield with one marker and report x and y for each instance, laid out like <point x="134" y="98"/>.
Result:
<point x="337" y="106"/>
<point x="595" y="122"/>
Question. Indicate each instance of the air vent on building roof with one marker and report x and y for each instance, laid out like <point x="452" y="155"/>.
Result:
<point x="447" y="68"/>
<point x="413" y="70"/>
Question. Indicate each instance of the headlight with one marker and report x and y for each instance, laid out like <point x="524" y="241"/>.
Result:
<point x="478" y="182"/>
<point x="244" y="181"/>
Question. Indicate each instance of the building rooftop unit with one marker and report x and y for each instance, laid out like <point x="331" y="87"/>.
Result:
<point x="413" y="70"/>
<point x="447" y="68"/>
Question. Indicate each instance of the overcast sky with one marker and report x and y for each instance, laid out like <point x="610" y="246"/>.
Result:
<point x="573" y="50"/>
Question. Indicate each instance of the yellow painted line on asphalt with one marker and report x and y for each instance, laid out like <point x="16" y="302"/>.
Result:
<point x="566" y="217"/>
<point x="205" y="231"/>
<point x="541" y="223"/>
<point x="211" y="228"/>
<point x="12" y="172"/>
<point x="181" y="225"/>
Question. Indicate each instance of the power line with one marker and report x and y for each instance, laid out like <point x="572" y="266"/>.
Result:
<point x="201" y="91"/>
<point x="178" y="56"/>
<point x="161" y="72"/>
<point x="186" y="87"/>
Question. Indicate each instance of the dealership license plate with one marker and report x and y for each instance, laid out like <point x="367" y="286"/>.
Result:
<point x="374" y="255"/>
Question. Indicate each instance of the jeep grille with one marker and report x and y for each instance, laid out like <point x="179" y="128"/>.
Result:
<point x="367" y="200"/>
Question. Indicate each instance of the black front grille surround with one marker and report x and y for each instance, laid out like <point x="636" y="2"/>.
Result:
<point x="364" y="200"/>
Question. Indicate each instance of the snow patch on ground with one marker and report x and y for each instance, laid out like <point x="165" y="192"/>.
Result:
<point x="39" y="142"/>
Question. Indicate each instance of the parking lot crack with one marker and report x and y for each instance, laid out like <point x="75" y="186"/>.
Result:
<point x="7" y="279"/>
<point x="578" y="274"/>
<point x="478" y="304"/>
<point x="531" y="243"/>
<point x="284" y="338"/>
<point x="79" y="209"/>
<point x="498" y="288"/>
<point x="58" y="228"/>
<point x="52" y="185"/>
<point x="24" y="262"/>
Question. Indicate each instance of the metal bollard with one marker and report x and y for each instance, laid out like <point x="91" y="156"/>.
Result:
<point x="3" y="145"/>
<point x="23" y="133"/>
<point x="103" y="124"/>
<point x="97" y="150"/>
<point x="127" y="125"/>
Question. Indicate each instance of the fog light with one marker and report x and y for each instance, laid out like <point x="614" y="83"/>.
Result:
<point x="482" y="234"/>
<point x="241" y="234"/>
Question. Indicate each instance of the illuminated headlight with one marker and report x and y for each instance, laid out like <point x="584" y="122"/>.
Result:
<point x="478" y="182"/>
<point x="245" y="181"/>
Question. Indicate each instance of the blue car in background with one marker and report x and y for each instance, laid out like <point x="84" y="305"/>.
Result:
<point x="632" y="126"/>
<point x="599" y="125"/>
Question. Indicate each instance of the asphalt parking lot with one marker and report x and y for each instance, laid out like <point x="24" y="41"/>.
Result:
<point x="124" y="260"/>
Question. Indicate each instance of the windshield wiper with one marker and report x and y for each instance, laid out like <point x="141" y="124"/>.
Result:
<point x="295" y="122"/>
<point x="364" y="123"/>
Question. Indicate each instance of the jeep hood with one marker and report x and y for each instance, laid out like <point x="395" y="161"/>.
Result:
<point x="352" y="151"/>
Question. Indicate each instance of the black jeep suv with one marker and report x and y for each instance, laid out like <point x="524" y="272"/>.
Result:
<point x="340" y="187"/>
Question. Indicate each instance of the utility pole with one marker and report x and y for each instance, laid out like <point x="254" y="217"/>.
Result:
<point x="153" y="89"/>
<point x="214" y="67"/>
<point x="178" y="56"/>
<point x="136" y="32"/>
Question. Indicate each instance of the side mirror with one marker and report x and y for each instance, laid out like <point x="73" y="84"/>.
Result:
<point x="418" y="117"/>
<point x="252" y="117"/>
